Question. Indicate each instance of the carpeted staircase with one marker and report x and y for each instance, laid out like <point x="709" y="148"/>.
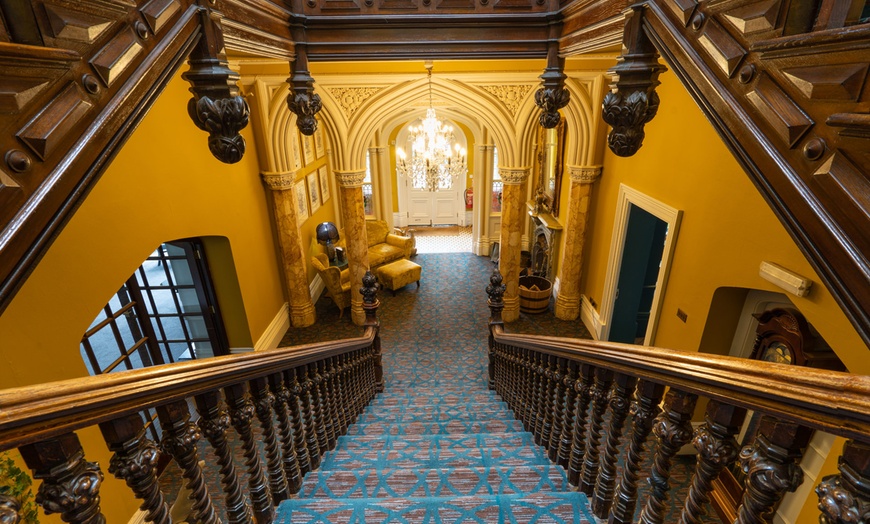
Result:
<point x="439" y="452"/>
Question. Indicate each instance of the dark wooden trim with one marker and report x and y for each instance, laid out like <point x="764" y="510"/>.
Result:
<point x="832" y="401"/>
<point x="34" y="413"/>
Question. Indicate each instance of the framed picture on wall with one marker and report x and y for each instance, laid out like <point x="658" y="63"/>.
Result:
<point x="301" y="202"/>
<point x="295" y="152"/>
<point x="308" y="148"/>
<point x="323" y="175"/>
<point x="313" y="192"/>
<point x="319" y="145"/>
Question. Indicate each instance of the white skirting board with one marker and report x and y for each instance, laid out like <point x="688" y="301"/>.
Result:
<point x="590" y="317"/>
<point x="273" y="334"/>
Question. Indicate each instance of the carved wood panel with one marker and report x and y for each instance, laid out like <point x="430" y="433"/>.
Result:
<point x="795" y="109"/>
<point x="66" y="104"/>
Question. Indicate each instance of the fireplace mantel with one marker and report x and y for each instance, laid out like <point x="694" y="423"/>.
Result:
<point x="543" y="242"/>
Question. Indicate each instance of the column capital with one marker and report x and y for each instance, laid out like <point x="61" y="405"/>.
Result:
<point x="584" y="174"/>
<point x="379" y="150"/>
<point x="486" y="147"/>
<point x="512" y="176"/>
<point x="350" y="178"/>
<point x="279" y="181"/>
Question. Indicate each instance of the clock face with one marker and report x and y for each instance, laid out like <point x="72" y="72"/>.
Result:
<point x="777" y="352"/>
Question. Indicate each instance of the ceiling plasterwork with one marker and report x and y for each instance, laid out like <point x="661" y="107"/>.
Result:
<point x="351" y="98"/>
<point x="511" y="95"/>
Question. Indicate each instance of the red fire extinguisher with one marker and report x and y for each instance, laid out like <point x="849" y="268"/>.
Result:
<point x="469" y="198"/>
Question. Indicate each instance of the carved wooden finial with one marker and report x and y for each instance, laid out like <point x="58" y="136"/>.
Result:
<point x="217" y="106"/>
<point x="369" y="291"/>
<point x="632" y="101"/>
<point x="552" y="95"/>
<point x="845" y="497"/>
<point x="302" y="100"/>
<point x="495" y="291"/>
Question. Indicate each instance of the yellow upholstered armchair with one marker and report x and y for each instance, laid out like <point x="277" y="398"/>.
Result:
<point x="337" y="281"/>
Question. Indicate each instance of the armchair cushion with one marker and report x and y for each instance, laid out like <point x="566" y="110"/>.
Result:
<point x="337" y="282"/>
<point x="384" y="246"/>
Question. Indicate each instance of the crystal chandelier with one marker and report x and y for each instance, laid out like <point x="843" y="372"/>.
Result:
<point x="436" y="161"/>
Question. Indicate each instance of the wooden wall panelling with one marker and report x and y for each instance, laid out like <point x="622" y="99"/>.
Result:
<point x="794" y="111"/>
<point x="65" y="111"/>
<point x="591" y="26"/>
<point x="257" y="27"/>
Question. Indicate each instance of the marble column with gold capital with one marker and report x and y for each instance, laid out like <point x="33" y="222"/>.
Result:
<point x="514" y="180"/>
<point x="292" y="253"/>
<point x="356" y="238"/>
<point x="571" y="267"/>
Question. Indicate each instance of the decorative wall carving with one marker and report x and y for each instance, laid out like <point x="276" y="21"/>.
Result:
<point x="511" y="95"/>
<point x="350" y="178"/>
<point x="351" y="98"/>
<point x="513" y="175"/>
<point x="279" y="181"/>
<point x="584" y="174"/>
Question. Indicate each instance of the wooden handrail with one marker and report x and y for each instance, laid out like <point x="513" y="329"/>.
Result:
<point x="833" y="401"/>
<point x="33" y="413"/>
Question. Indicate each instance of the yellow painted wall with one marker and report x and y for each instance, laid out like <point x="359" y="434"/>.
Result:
<point x="163" y="185"/>
<point x="727" y="228"/>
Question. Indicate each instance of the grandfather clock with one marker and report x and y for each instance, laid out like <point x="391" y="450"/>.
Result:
<point x="783" y="336"/>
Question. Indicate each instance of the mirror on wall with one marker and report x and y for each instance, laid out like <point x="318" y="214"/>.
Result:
<point x="549" y="155"/>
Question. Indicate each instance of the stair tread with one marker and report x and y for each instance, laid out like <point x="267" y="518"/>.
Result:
<point x="541" y="508"/>
<point x="433" y="457"/>
<point x="434" y="415"/>
<point x="495" y="425"/>
<point x="492" y="480"/>
<point x="455" y="440"/>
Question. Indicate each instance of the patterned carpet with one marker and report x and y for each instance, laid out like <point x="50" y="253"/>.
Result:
<point x="437" y="430"/>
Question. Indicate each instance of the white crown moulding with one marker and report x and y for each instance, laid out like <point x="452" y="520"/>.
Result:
<point x="788" y="280"/>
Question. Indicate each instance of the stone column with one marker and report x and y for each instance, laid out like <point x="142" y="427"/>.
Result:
<point x="571" y="266"/>
<point x="353" y="213"/>
<point x="292" y="253"/>
<point x="513" y="202"/>
<point x="380" y="163"/>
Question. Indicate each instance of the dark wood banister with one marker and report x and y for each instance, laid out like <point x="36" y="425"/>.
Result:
<point x="833" y="401"/>
<point x="32" y="413"/>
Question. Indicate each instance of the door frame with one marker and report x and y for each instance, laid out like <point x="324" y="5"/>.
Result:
<point x="626" y="198"/>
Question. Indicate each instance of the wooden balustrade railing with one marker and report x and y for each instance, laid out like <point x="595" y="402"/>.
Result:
<point x="301" y="398"/>
<point x="575" y="397"/>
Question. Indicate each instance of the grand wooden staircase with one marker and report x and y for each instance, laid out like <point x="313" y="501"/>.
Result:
<point x="330" y="453"/>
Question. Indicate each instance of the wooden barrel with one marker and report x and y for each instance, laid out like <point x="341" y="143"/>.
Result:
<point x="535" y="294"/>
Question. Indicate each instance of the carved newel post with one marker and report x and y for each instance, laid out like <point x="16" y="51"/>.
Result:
<point x="632" y="101"/>
<point x="302" y="312"/>
<point x="567" y="305"/>
<point x="216" y="106"/>
<point x="369" y="292"/>
<point x="511" y="237"/>
<point x="845" y="498"/>
<point x="495" y="291"/>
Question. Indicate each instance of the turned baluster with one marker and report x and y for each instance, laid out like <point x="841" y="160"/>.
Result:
<point x="541" y="411"/>
<point x="308" y="417"/>
<point x="526" y="388"/>
<point x="772" y="467"/>
<point x="717" y="448"/>
<point x="263" y="401"/>
<point x="355" y="388"/>
<point x="297" y="422"/>
<point x="329" y="418"/>
<point x="549" y="391"/>
<point x="600" y="397"/>
<point x="316" y="400"/>
<point x="569" y="401"/>
<point x="180" y="436"/>
<point x="845" y="498"/>
<point x="644" y="410"/>
<point x="673" y="429"/>
<point x="559" y="393"/>
<point x="347" y="390"/>
<point x="214" y="422"/>
<point x="494" y="369"/>
<point x="369" y="291"/>
<point x="513" y="375"/>
<point x="70" y="484"/>
<point x="583" y="387"/>
<point x="135" y="462"/>
<point x="620" y="403"/>
<point x="333" y="389"/>
<point x="242" y="410"/>
<point x="290" y="462"/>
<point x="535" y="379"/>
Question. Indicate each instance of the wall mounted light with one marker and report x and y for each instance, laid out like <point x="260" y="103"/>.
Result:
<point x="787" y="280"/>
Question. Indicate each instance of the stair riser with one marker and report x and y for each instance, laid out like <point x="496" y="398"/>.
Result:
<point x="440" y="428"/>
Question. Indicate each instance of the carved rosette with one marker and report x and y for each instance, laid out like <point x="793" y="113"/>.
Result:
<point x="9" y="508"/>
<point x="584" y="174"/>
<point x="513" y="176"/>
<point x="632" y="101"/>
<point x="350" y="178"/>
